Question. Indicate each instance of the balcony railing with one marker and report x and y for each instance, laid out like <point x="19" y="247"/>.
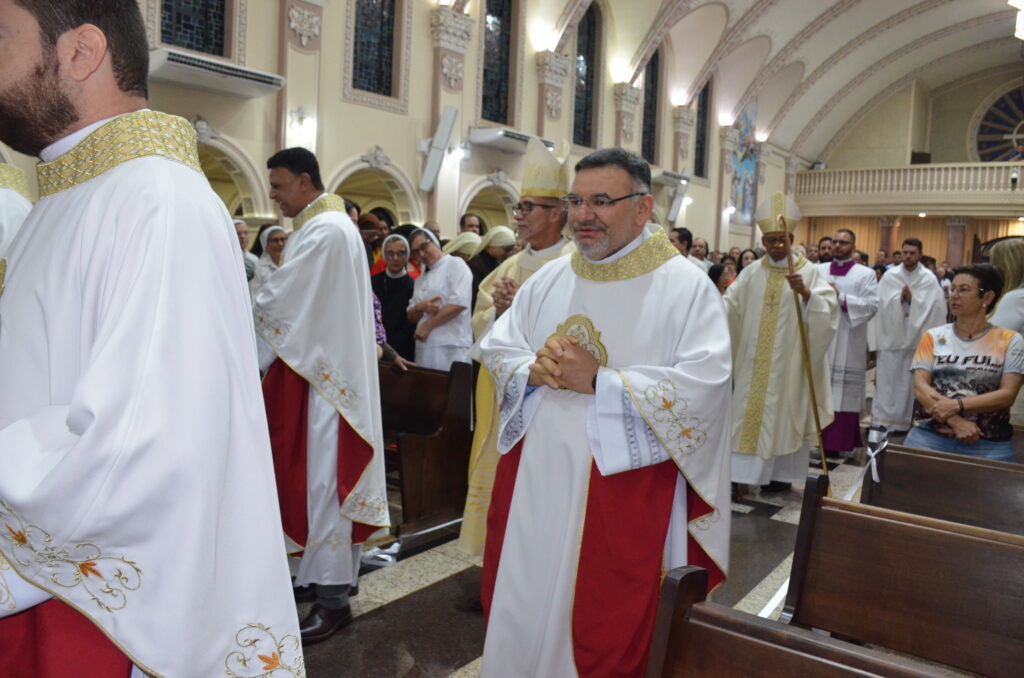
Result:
<point x="968" y="189"/>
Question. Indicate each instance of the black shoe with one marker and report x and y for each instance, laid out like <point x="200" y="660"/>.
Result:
<point x="776" y="486"/>
<point x="323" y="622"/>
<point x="353" y="591"/>
<point x="304" y="594"/>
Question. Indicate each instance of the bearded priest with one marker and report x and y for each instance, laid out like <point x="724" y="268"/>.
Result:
<point x="314" y="317"/>
<point x="14" y="204"/>
<point x="773" y="426"/>
<point x="139" y="529"/>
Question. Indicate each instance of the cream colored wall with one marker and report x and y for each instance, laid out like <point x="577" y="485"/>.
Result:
<point x="919" y="114"/>
<point x="951" y="113"/>
<point x="882" y="138"/>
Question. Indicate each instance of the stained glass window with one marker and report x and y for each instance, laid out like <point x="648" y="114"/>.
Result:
<point x="700" y="149"/>
<point x="1002" y="127"/>
<point x="198" y="25"/>
<point x="374" y="51"/>
<point x="650" y="123"/>
<point x="586" y="79"/>
<point x="497" y="60"/>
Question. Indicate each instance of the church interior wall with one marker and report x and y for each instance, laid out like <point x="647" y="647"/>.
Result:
<point x="919" y="114"/>
<point x="882" y="138"/>
<point x="951" y="113"/>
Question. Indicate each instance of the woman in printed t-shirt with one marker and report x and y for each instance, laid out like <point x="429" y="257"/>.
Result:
<point x="967" y="374"/>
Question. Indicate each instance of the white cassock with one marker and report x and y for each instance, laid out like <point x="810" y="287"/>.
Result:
<point x="314" y="316"/>
<point x="590" y="499"/>
<point x="848" y="352"/>
<point x="451" y="279"/>
<point x="136" y="482"/>
<point x="772" y="423"/>
<point x="14" y="204"/>
<point x="483" y="460"/>
<point x="898" y="328"/>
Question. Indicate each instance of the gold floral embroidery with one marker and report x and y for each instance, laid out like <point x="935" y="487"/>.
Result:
<point x="13" y="178"/>
<point x="262" y="655"/>
<point x="328" y="202"/>
<point x="666" y="414"/>
<point x="757" y="394"/>
<point x="333" y="388"/>
<point x="126" y="137"/>
<point x="651" y="254"/>
<point x="272" y="330"/>
<point x="582" y="327"/>
<point x="706" y="521"/>
<point x="105" y="579"/>
<point x="367" y="509"/>
<point x="6" y="597"/>
<point x="3" y="274"/>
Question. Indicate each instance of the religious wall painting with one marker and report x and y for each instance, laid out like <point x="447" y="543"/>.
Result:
<point x="743" y="162"/>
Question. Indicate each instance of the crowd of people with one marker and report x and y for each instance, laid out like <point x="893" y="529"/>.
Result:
<point x="164" y="509"/>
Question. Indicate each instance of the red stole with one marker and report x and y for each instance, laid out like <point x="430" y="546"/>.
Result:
<point x="287" y="397"/>
<point x="618" y="578"/>
<point x="52" y="640"/>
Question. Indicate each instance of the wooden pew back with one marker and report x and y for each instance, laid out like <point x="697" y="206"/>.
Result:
<point x="694" y="638"/>
<point x="426" y="416"/>
<point x="934" y="589"/>
<point x="950" y="487"/>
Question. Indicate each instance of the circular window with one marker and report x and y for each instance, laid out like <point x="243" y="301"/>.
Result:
<point x="1002" y="127"/>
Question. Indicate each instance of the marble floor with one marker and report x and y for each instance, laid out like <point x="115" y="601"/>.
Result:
<point x="417" y="619"/>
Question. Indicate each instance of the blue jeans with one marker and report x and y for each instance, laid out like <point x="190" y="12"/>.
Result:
<point x="987" y="449"/>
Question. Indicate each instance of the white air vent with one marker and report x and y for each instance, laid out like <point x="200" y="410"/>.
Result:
<point x="192" y="70"/>
<point x="505" y="140"/>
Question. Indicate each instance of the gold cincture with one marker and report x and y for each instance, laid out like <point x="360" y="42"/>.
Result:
<point x="126" y="137"/>
<point x="651" y="254"/>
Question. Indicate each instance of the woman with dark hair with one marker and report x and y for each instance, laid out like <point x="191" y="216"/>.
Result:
<point x="967" y="373"/>
<point x="747" y="257"/>
<point x="720" y="276"/>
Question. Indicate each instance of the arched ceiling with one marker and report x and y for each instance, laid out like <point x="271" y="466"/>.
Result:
<point x="816" y="65"/>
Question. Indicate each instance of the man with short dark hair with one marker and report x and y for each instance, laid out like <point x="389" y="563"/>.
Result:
<point x="857" y="291"/>
<point x="321" y="392"/>
<point x="825" y="250"/>
<point x="470" y="223"/>
<point x="599" y="420"/>
<point x="895" y="260"/>
<point x="812" y="252"/>
<point x="882" y="258"/>
<point x="911" y="302"/>
<point x="136" y="489"/>
<point x="681" y="238"/>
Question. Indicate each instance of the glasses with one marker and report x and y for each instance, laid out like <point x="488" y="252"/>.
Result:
<point x="525" y="207"/>
<point x="597" y="203"/>
<point x="422" y="248"/>
<point x="398" y="254"/>
<point x="964" y="290"/>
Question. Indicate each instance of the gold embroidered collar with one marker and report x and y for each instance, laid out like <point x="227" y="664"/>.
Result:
<point x="328" y="202"/>
<point x="126" y="137"/>
<point x="799" y="261"/>
<point x="651" y="254"/>
<point x="13" y="178"/>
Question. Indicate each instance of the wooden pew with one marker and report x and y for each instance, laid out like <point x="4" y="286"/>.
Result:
<point x="694" y="638"/>
<point x="950" y="487"/>
<point x="938" y="590"/>
<point x="427" y="438"/>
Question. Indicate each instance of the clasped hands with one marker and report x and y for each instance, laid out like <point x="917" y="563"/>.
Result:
<point x="563" y="364"/>
<point x="946" y="411"/>
<point x="504" y="291"/>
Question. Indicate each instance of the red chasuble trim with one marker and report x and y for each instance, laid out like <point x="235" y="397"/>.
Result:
<point x="287" y="396"/>
<point x="497" y="521"/>
<point x="618" y="577"/>
<point x="52" y="640"/>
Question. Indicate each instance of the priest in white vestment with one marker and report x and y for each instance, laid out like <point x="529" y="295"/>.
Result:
<point x="540" y="219"/>
<point x="440" y="304"/>
<point x="139" y="531"/>
<point x="773" y="424"/>
<point x="910" y="302"/>
<point x="613" y="375"/>
<point x="14" y="204"/>
<point x="314" y="316"/>
<point x="848" y="353"/>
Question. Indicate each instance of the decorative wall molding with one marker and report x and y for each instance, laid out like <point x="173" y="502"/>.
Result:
<point x="399" y="103"/>
<point x="627" y="101"/>
<point x="304" y="24"/>
<point x="958" y="222"/>
<point x="684" y="121"/>
<point x="731" y="40"/>
<point x="553" y="71"/>
<point x="565" y="28"/>
<point x="403" y="191"/>
<point x="376" y="158"/>
<point x="451" y="30"/>
<point x="729" y="139"/>
<point x="453" y="71"/>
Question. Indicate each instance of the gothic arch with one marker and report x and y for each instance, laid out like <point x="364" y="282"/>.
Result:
<point x="253" y="197"/>
<point x="499" y="185"/>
